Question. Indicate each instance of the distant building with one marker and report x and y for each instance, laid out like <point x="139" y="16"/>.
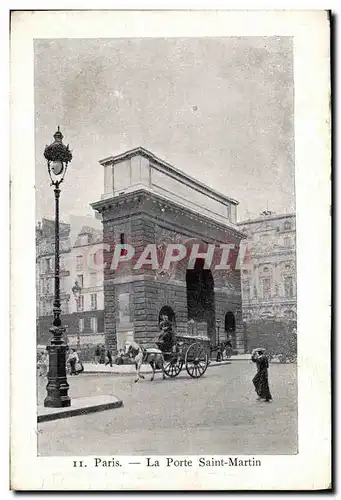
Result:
<point x="45" y="245"/>
<point x="83" y="319"/>
<point x="87" y="271"/>
<point x="268" y="276"/>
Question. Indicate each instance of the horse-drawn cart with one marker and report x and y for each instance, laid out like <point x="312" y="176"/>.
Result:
<point x="194" y="357"/>
<point x="193" y="353"/>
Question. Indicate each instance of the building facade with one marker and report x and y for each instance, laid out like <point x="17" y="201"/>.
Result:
<point x="87" y="309"/>
<point x="83" y="318"/>
<point x="45" y="247"/>
<point x="268" y="274"/>
<point x="148" y="204"/>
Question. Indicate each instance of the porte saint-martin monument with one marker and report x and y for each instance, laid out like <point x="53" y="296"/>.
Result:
<point x="171" y="246"/>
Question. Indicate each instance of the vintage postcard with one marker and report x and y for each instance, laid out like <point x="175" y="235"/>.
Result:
<point x="170" y="246"/>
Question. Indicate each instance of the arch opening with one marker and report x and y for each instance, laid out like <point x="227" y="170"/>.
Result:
<point x="230" y="326"/>
<point x="200" y="296"/>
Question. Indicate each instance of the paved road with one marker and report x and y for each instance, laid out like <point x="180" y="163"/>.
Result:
<point x="217" y="414"/>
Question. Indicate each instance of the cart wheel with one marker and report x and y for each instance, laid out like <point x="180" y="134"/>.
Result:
<point x="196" y="360"/>
<point x="172" y="366"/>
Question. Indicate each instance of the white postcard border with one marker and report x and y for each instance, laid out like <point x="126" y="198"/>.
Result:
<point x="310" y="469"/>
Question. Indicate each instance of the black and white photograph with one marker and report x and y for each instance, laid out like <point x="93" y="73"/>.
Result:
<point x="166" y="255"/>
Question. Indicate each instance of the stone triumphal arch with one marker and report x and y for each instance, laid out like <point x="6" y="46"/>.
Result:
<point x="149" y="204"/>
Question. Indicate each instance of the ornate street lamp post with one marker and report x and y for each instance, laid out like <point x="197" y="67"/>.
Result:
<point x="77" y="290"/>
<point x="58" y="156"/>
<point x="218" y="331"/>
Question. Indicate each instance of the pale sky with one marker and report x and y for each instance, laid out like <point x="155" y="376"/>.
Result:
<point x="219" y="109"/>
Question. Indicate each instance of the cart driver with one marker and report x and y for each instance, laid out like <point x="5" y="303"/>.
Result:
<point x="166" y="339"/>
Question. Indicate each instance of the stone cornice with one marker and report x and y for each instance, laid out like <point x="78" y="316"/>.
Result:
<point x="143" y="195"/>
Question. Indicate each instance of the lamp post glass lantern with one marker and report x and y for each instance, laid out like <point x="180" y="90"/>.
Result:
<point x="77" y="290"/>
<point x="58" y="156"/>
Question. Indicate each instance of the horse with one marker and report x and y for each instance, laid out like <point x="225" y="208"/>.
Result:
<point x="151" y="356"/>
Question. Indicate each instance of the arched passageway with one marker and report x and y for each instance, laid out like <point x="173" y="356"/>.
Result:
<point x="230" y="326"/>
<point x="200" y="296"/>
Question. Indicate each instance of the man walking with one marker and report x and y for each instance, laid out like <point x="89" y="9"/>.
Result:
<point x="109" y="358"/>
<point x="97" y="354"/>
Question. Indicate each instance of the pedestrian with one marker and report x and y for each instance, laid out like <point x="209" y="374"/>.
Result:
<point x="228" y="346"/>
<point x="102" y="355"/>
<point x="119" y="357"/>
<point x="109" y="358"/>
<point x="260" y="380"/>
<point x="73" y="359"/>
<point x="43" y="364"/>
<point x="97" y="354"/>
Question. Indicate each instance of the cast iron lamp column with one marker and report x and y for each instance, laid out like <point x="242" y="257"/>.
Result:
<point x="58" y="156"/>
<point x="218" y="331"/>
<point x="77" y="290"/>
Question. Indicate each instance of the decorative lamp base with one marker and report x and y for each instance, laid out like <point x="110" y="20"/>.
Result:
<point x="57" y="387"/>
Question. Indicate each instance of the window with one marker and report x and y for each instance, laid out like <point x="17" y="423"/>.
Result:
<point x="48" y="286"/>
<point x="246" y="291"/>
<point x="80" y="303"/>
<point x="81" y="324"/>
<point x="247" y="317"/>
<point x="93" y="301"/>
<point x="266" y="288"/>
<point x="79" y="260"/>
<point x="287" y="225"/>
<point x="48" y="267"/>
<point x="49" y="307"/>
<point x="265" y="269"/>
<point x="289" y="314"/>
<point x="93" y="323"/>
<point x="65" y="307"/>
<point x="288" y="286"/>
<point x="98" y="257"/>
<point x="43" y="308"/>
<point x="80" y="280"/>
<point x="93" y="279"/>
<point x="83" y="240"/>
<point x="287" y="242"/>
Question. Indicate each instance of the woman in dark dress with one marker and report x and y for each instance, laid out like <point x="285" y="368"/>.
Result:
<point x="260" y="380"/>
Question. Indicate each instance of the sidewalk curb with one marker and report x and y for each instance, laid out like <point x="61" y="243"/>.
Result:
<point x="82" y="406"/>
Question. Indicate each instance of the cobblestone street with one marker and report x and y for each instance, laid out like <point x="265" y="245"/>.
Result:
<point x="217" y="414"/>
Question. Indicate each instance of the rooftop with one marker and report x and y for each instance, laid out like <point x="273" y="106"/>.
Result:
<point x="265" y="218"/>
